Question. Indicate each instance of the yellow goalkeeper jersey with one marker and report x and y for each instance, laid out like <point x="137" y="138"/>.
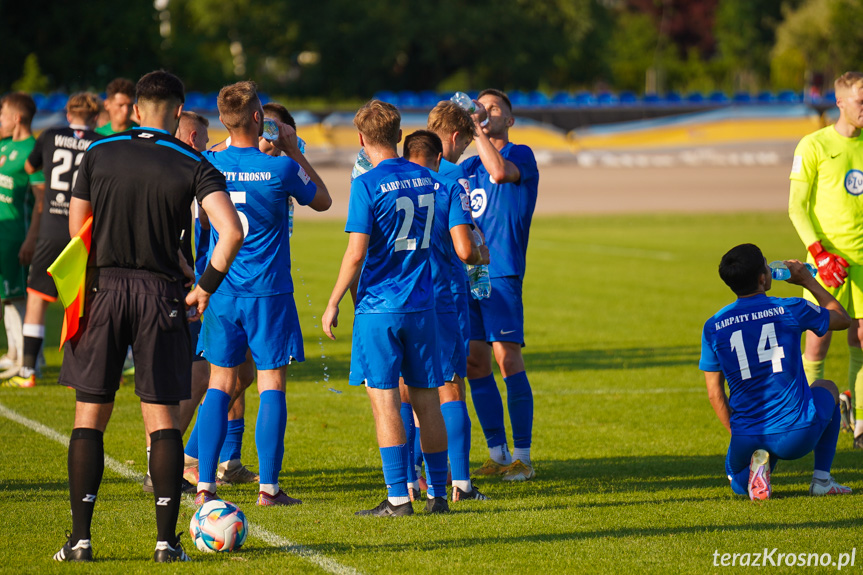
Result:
<point x="832" y="166"/>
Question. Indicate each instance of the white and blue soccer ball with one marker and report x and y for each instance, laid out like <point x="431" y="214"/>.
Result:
<point x="218" y="526"/>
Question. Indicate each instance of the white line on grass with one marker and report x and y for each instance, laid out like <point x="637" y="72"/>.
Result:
<point x="322" y="561"/>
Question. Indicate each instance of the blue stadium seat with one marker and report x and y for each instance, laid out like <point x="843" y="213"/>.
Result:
<point x="387" y="96"/>
<point x="561" y="98"/>
<point x="628" y="98"/>
<point x="195" y="101"/>
<point x="673" y="98"/>
<point x="429" y="98"/>
<point x="408" y="99"/>
<point x="39" y="99"/>
<point x="695" y="97"/>
<point x="742" y="98"/>
<point x="829" y="97"/>
<point x="537" y="98"/>
<point x="211" y="101"/>
<point x="474" y="94"/>
<point x="765" y="97"/>
<point x="607" y="99"/>
<point x="55" y="102"/>
<point x="519" y="99"/>
<point x="584" y="99"/>
<point x="717" y="97"/>
<point x="652" y="99"/>
<point x="788" y="97"/>
<point x="262" y="96"/>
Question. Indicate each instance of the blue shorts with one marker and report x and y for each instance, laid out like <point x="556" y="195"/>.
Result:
<point x="787" y="445"/>
<point x="195" y="333"/>
<point x="386" y="345"/>
<point x="267" y="325"/>
<point x="451" y="349"/>
<point x="462" y="309"/>
<point x="499" y="317"/>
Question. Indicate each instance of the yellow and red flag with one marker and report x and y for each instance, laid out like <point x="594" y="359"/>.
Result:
<point x="68" y="272"/>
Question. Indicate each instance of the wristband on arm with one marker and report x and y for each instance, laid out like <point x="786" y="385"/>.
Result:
<point x="211" y="279"/>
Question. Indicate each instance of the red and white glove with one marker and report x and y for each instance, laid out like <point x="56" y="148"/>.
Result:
<point x="831" y="268"/>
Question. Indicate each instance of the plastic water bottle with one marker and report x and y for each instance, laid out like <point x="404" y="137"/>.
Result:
<point x="480" y="284"/>
<point x="301" y="144"/>
<point x="466" y="103"/>
<point x="362" y="165"/>
<point x="780" y="271"/>
<point x="271" y="130"/>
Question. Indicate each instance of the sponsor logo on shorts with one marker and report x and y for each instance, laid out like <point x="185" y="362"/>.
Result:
<point x="507" y="332"/>
<point x="854" y="182"/>
<point x="478" y="202"/>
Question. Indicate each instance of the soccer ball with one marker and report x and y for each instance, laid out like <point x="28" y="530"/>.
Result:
<point x="218" y="526"/>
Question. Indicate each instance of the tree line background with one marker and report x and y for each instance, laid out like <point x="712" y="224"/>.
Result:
<point x="344" y="49"/>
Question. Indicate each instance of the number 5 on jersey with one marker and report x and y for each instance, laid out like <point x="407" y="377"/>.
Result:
<point x="768" y="349"/>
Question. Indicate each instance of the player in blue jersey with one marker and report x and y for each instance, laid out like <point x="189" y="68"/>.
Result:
<point x="452" y="240"/>
<point x="754" y="345"/>
<point x="390" y="221"/>
<point x="504" y="182"/>
<point x="254" y="307"/>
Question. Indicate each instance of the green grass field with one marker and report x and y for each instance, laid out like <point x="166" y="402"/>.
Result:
<point x="629" y="456"/>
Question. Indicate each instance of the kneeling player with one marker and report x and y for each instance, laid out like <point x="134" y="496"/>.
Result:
<point x="754" y="344"/>
<point x="254" y="307"/>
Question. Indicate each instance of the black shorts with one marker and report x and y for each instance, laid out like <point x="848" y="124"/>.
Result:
<point x="195" y="332"/>
<point x="130" y="307"/>
<point x="39" y="282"/>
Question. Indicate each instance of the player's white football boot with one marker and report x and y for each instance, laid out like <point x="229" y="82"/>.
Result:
<point x="759" y="476"/>
<point x="827" y="487"/>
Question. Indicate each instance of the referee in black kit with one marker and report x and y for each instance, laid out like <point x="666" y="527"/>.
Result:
<point x="139" y="186"/>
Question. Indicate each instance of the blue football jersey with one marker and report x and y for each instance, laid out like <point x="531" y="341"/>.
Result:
<point x="456" y="172"/>
<point x="504" y="211"/>
<point x="755" y="342"/>
<point x="394" y="203"/>
<point x="259" y="186"/>
<point x="452" y="208"/>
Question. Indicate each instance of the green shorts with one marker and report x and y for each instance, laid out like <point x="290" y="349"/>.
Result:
<point x="849" y="294"/>
<point x="13" y="276"/>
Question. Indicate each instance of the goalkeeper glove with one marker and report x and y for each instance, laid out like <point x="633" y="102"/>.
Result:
<point x="831" y="268"/>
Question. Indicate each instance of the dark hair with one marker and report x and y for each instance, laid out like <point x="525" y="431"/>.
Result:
<point x="499" y="93"/>
<point x="423" y="143"/>
<point x="279" y="112"/>
<point x="120" y="86"/>
<point x="23" y="104"/>
<point x="160" y="86"/>
<point x="741" y="267"/>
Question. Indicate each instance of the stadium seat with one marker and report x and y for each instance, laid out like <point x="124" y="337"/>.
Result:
<point x="717" y="97"/>
<point x="652" y="99"/>
<point x="39" y="99"/>
<point x="628" y="98"/>
<point x="537" y="98"/>
<point x="195" y="101"/>
<point x="519" y="99"/>
<point x="387" y="96"/>
<point x="788" y="97"/>
<point x="429" y="98"/>
<point x="607" y="99"/>
<point x="673" y="98"/>
<point x="562" y="98"/>
<point x="766" y="97"/>
<point x="742" y="98"/>
<point x="584" y="99"/>
<point x="408" y="99"/>
<point x="474" y="94"/>
<point x="55" y="102"/>
<point x="695" y="97"/>
<point x="262" y="96"/>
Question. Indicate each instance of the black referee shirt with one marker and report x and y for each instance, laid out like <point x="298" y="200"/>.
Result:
<point x="141" y="184"/>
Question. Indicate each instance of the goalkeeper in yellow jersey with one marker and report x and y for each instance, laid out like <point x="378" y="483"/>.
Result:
<point x="826" y="208"/>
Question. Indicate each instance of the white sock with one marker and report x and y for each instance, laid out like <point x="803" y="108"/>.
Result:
<point x="464" y="485"/>
<point x="521" y="454"/>
<point x="13" y="318"/>
<point x="148" y="461"/>
<point x="821" y="475"/>
<point x="399" y="500"/>
<point x="189" y="461"/>
<point x="202" y="486"/>
<point x="270" y="488"/>
<point x="500" y="453"/>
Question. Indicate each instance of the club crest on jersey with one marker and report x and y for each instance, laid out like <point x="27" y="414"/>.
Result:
<point x="478" y="202"/>
<point x="13" y="155"/>
<point x="78" y="134"/>
<point x="854" y="182"/>
<point x="465" y="202"/>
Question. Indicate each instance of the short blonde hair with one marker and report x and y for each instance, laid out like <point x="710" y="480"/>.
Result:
<point x="448" y="118"/>
<point x="847" y="81"/>
<point x="86" y="105"/>
<point x="237" y="104"/>
<point x="379" y="123"/>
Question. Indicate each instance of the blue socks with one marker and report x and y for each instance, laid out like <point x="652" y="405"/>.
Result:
<point x="519" y="399"/>
<point x="411" y="435"/>
<point x="489" y="409"/>
<point x="213" y="420"/>
<point x="436" y="470"/>
<point x="270" y="434"/>
<point x="458" y="427"/>
<point x="233" y="445"/>
<point x="825" y="449"/>
<point x="395" y="461"/>
<point x="192" y="444"/>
